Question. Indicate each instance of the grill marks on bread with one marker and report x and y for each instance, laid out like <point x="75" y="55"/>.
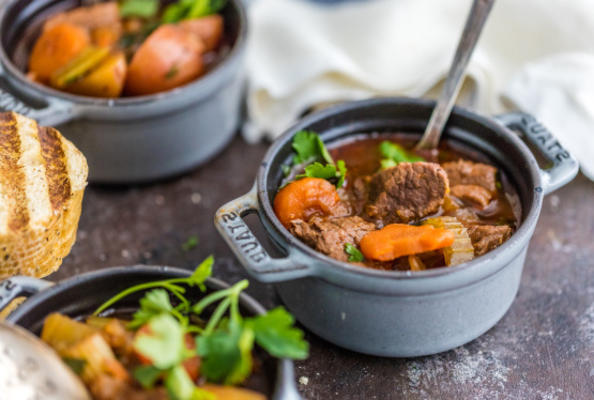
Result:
<point x="34" y="179"/>
<point x="12" y="177"/>
<point x="56" y="170"/>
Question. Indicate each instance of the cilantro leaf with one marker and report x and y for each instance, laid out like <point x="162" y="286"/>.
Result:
<point x="328" y="171"/>
<point x="190" y="243"/>
<point x="147" y="375"/>
<point x="354" y="253"/>
<point x="165" y="345"/>
<point x="75" y="364"/>
<point x="317" y="170"/>
<point x="187" y="9"/>
<point x="386" y="163"/>
<point x="139" y="8"/>
<point x="152" y="304"/>
<point x="394" y="154"/>
<point x="243" y="368"/>
<point x="226" y="354"/>
<point x="309" y="147"/>
<point x="275" y="333"/>
<point x="201" y="273"/>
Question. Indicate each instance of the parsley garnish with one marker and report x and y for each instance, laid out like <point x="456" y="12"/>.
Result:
<point x="139" y="8"/>
<point x="309" y="147"/>
<point x="224" y="343"/>
<point x="354" y="253"/>
<point x="275" y="332"/>
<point x="393" y="154"/>
<point x="187" y="9"/>
<point x="311" y="152"/>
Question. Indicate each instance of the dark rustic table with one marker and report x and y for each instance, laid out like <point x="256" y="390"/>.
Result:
<point x="542" y="349"/>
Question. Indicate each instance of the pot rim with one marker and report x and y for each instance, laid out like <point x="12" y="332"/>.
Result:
<point x="514" y="244"/>
<point x="196" y="85"/>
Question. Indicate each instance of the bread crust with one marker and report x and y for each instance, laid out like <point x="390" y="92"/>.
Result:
<point x="42" y="182"/>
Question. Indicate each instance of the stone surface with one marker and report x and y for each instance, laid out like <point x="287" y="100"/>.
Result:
<point x="542" y="349"/>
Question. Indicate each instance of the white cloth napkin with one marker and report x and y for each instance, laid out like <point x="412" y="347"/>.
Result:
<point x="559" y="91"/>
<point x="302" y="53"/>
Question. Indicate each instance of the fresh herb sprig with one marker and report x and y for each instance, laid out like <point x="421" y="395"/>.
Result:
<point x="139" y="8"/>
<point x="353" y="252"/>
<point x="224" y="343"/>
<point x="175" y="12"/>
<point x="186" y="9"/>
<point x="313" y="157"/>
<point x="393" y="154"/>
<point x="174" y="285"/>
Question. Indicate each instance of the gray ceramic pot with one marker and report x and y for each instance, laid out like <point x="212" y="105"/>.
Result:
<point x="399" y="313"/>
<point x="82" y="294"/>
<point x="128" y="139"/>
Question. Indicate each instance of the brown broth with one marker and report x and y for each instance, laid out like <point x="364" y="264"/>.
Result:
<point x="362" y="157"/>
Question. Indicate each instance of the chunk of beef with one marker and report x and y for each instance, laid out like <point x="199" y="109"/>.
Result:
<point x="473" y="194"/>
<point x="487" y="237"/>
<point x="463" y="172"/>
<point x="328" y="235"/>
<point x="407" y="192"/>
<point x="358" y="194"/>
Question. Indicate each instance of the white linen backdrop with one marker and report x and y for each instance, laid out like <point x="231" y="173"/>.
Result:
<point x="535" y="55"/>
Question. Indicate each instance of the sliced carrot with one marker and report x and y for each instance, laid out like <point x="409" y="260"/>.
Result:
<point x="303" y="198"/>
<point x="209" y="29"/>
<point x="397" y="240"/>
<point x="55" y="48"/>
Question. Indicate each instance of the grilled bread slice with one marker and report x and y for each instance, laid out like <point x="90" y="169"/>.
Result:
<point x="42" y="180"/>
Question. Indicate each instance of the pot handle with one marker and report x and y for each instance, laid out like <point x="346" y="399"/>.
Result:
<point x="565" y="166"/>
<point x="16" y="286"/>
<point x="246" y="247"/>
<point x="50" y="112"/>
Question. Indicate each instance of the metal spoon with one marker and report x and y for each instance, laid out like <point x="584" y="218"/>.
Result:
<point x="30" y="369"/>
<point x="472" y="31"/>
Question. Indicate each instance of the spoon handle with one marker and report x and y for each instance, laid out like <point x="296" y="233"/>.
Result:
<point x="472" y="31"/>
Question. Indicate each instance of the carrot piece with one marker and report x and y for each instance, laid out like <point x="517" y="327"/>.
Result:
<point x="397" y="240"/>
<point x="55" y="48"/>
<point x="168" y="58"/>
<point x="305" y="197"/>
<point x="192" y="364"/>
<point x="209" y="29"/>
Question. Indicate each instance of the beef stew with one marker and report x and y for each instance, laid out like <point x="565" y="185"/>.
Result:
<point x="393" y="208"/>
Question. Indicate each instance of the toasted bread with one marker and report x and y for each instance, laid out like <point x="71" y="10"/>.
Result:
<point x="42" y="181"/>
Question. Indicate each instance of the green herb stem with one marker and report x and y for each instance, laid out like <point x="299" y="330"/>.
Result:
<point x="167" y="284"/>
<point x="216" y="316"/>
<point x="211" y="298"/>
